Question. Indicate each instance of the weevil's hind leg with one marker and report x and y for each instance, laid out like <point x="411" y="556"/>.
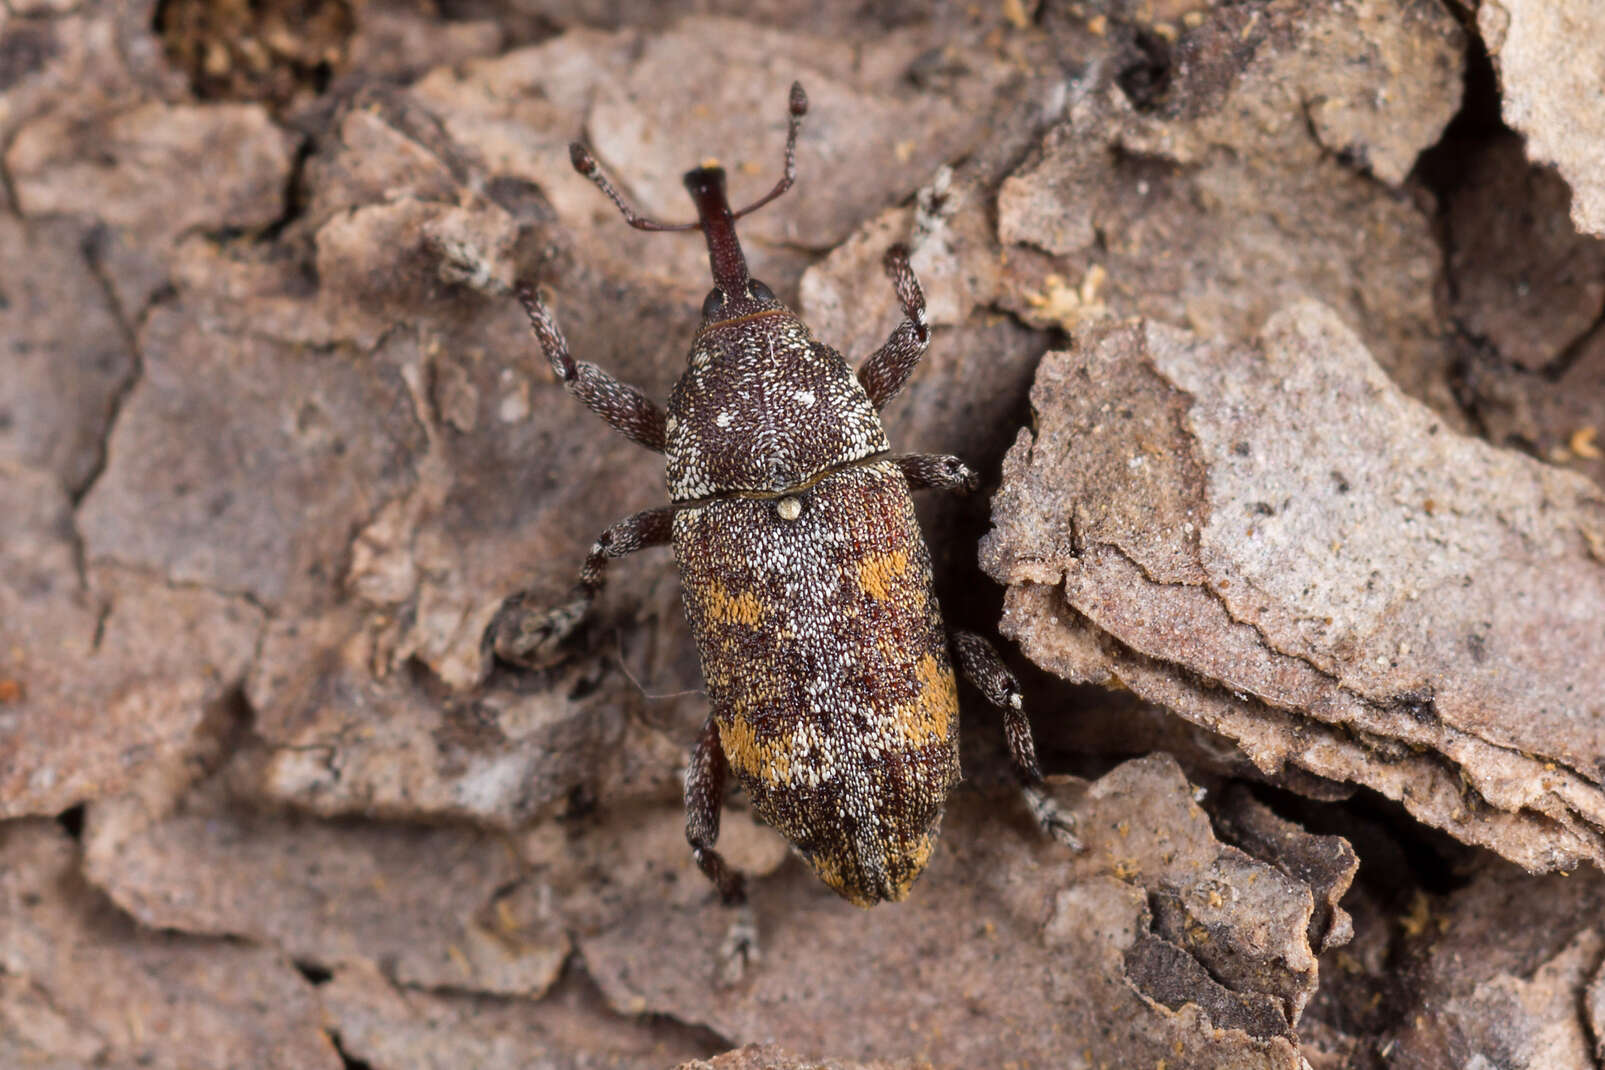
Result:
<point x="937" y="471"/>
<point x="704" y="799"/>
<point x="626" y="409"/>
<point x="885" y="371"/>
<point x="526" y="634"/>
<point x="981" y="665"/>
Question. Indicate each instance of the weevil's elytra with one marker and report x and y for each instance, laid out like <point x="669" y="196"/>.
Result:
<point x="828" y="670"/>
<point x="806" y="580"/>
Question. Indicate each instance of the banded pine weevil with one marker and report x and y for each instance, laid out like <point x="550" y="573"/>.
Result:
<point x="805" y="577"/>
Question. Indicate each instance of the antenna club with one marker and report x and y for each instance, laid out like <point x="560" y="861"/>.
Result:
<point x="582" y="160"/>
<point x="799" y="100"/>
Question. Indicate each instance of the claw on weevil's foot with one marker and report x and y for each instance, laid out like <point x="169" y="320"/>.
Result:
<point x="739" y="950"/>
<point x="1051" y="818"/>
<point x="522" y="635"/>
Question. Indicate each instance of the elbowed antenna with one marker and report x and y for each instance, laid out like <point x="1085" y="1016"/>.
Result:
<point x="798" y="106"/>
<point x="586" y="165"/>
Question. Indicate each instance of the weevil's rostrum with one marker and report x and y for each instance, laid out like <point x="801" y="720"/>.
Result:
<point x="805" y="577"/>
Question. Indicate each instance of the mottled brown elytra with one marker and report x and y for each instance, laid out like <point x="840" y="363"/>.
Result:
<point x="806" y="579"/>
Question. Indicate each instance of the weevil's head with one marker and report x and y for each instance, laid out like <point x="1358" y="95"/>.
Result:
<point x="736" y="295"/>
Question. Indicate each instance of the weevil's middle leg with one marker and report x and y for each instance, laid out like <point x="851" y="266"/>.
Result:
<point x="626" y="409"/>
<point x="525" y="633"/>
<point x="936" y="471"/>
<point x="885" y="371"/>
<point x="981" y="665"/>
<point x="704" y="800"/>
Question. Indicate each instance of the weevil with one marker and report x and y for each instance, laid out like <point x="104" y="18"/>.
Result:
<point x="804" y="574"/>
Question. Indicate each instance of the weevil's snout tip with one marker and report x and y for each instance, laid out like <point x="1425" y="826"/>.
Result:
<point x="704" y="180"/>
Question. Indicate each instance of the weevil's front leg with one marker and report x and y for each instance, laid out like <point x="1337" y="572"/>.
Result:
<point x="937" y="471"/>
<point x="981" y="665"/>
<point x="889" y="367"/>
<point x="625" y="408"/>
<point x="704" y="799"/>
<point x="522" y="633"/>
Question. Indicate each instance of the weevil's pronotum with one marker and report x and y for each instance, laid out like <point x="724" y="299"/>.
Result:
<point x="805" y="577"/>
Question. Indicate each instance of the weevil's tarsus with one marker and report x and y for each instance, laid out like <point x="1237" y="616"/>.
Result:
<point x="739" y="949"/>
<point x="526" y="633"/>
<point x="884" y="371"/>
<point x="520" y="634"/>
<point x="1054" y="820"/>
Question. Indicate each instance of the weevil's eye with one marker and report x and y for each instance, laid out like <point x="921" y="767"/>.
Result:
<point x="760" y="291"/>
<point x="713" y="304"/>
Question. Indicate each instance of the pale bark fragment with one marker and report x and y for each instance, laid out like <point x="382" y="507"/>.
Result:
<point x="1275" y="542"/>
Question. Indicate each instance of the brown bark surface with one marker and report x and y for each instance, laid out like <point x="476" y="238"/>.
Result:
<point x="1276" y="339"/>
